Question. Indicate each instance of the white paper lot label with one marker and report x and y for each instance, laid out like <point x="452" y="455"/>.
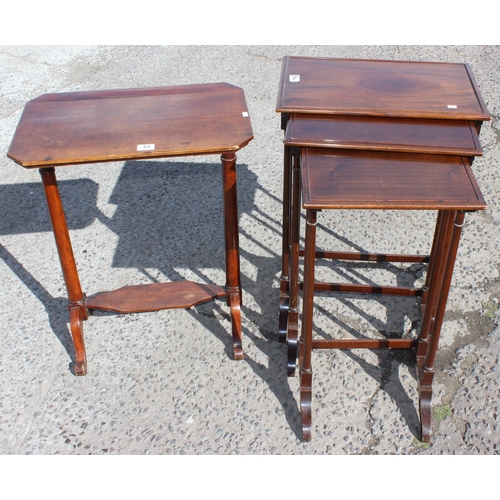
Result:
<point x="145" y="147"/>
<point x="295" y="78"/>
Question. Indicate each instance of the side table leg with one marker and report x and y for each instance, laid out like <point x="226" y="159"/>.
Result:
<point x="233" y="279"/>
<point x="76" y="298"/>
<point x="307" y="324"/>
<point x="285" y="251"/>
<point x="426" y="375"/>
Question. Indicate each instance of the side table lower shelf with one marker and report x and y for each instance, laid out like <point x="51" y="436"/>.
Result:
<point x="154" y="297"/>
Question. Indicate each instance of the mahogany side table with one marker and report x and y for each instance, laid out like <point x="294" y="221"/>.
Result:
<point x="117" y="125"/>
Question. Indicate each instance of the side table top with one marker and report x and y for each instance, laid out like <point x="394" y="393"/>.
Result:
<point x="409" y="89"/>
<point x="347" y="179"/>
<point x="116" y="125"/>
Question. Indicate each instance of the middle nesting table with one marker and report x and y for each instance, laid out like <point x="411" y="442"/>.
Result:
<point x="419" y="138"/>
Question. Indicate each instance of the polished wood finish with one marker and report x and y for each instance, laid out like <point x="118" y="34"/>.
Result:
<point x="108" y="125"/>
<point x="328" y="115"/>
<point x="406" y="89"/>
<point x="456" y="137"/>
<point x="367" y="344"/>
<point x="130" y="124"/>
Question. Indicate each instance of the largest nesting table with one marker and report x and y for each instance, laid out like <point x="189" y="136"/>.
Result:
<point x="132" y="124"/>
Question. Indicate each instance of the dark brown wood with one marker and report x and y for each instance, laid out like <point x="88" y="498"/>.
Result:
<point x="369" y="257"/>
<point x="456" y="137"/>
<point x="307" y="324"/>
<point x="399" y="116"/>
<point x="434" y="282"/>
<point x="363" y="344"/>
<point x="347" y="179"/>
<point x="407" y="89"/>
<point x="284" y="296"/>
<point x="115" y="125"/>
<point x="293" y="313"/>
<point x="426" y="374"/>
<point x="154" y="297"/>
<point x="92" y="127"/>
<point x="368" y="289"/>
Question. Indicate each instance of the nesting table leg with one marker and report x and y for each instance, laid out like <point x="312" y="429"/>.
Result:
<point x="307" y="324"/>
<point x="426" y="373"/>
<point x="433" y="282"/>
<point x="233" y="279"/>
<point x="76" y="298"/>
<point x="284" y="297"/>
<point x="293" y="313"/>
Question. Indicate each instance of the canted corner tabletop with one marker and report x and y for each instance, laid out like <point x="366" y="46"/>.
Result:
<point x="132" y="124"/>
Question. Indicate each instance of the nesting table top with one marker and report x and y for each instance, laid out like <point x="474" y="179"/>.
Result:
<point x="380" y="88"/>
<point x="349" y="179"/>
<point x="458" y="137"/>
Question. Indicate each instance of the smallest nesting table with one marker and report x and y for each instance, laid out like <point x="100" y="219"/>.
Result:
<point x="133" y="124"/>
<point x="367" y="180"/>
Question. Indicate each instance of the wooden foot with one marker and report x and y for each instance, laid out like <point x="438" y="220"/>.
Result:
<point x="306" y="404"/>
<point x="76" y="318"/>
<point x="426" y="413"/>
<point x="234" y="303"/>
<point x="292" y="341"/>
<point x="425" y="398"/>
<point x="283" y="317"/>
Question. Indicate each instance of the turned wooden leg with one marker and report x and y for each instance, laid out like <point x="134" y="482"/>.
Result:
<point x="77" y="310"/>
<point x="284" y="297"/>
<point x="434" y="281"/>
<point x="434" y="248"/>
<point x="307" y="324"/>
<point x="427" y="373"/>
<point x="293" y="312"/>
<point x="233" y="279"/>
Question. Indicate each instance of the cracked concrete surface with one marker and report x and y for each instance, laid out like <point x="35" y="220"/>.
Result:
<point x="165" y="383"/>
